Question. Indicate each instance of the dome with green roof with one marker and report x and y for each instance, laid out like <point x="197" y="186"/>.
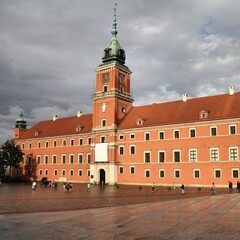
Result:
<point x="114" y="51"/>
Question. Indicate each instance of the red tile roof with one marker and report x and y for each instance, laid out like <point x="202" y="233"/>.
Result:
<point x="60" y="127"/>
<point x="218" y="107"/>
<point x="177" y="112"/>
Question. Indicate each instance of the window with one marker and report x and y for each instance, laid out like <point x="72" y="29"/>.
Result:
<point x="64" y="143"/>
<point x="63" y="159"/>
<point x="80" y="158"/>
<point x="132" y="135"/>
<point x="147" y="173"/>
<point x="217" y="173"/>
<point x="38" y="159"/>
<point x="232" y="129"/>
<point x="196" y="173"/>
<point x="30" y="145"/>
<point x="161" y="156"/>
<point x="46" y="159"/>
<point x="104" y="122"/>
<point x="192" y="133"/>
<point x="162" y="173"/>
<point x="121" y="171"/>
<point x="103" y="139"/>
<point x="88" y="157"/>
<point x="147" y="136"/>
<point x="46" y="172"/>
<point x="121" y="150"/>
<point x="46" y="144"/>
<point x="192" y="155"/>
<point x="235" y="173"/>
<point x="147" y="157"/>
<point x="233" y="153"/>
<point x="23" y="146"/>
<point x="176" y="134"/>
<point x="71" y="172"/>
<point x="213" y="131"/>
<point x="176" y="173"/>
<point x="89" y="141"/>
<point x="54" y="159"/>
<point x="55" y="172"/>
<point x="40" y="172"/>
<point x="161" y="135"/>
<point x="72" y="142"/>
<point x="71" y="158"/>
<point x="132" y="170"/>
<point x="54" y="143"/>
<point x="214" y="154"/>
<point x="29" y="159"/>
<point x="39" y="144"/>
<point x="105" y="88"/>
<point x="88" y="172"/>
<point x="121" y="137"/>
<point x="132" y="149"/>
<point x="80" y="141"/>
<point x="176" y="156"/>
<point x="80" y="172"/>
<point x="63" y="172"/>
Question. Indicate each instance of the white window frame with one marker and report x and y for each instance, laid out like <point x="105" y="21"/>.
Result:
<point x="147" y="170"/>
<point x="230" y="154"/>
<point x="130" y="147"/>
<point x="196" y="154"/>
<point x="235" y="169"/>
<point x="195" y="132"/>
<point x="119" y="152"/>
<point x="211" y="156"/>
<point x="54" y="155"/>
<point x="159" y="132"/>
<point x="229" y="129"/>
<point x="213" y="127"/>
<point x="176" y="150"/>
<point x="215" y="170"/>
<point x="159" y="173"/>
<point x="177" y="170"/>
<point x="134" y="171"/>
<point x="161" y="151"/>
<point x="144" y="156"/>
<point x="194" y="170"/>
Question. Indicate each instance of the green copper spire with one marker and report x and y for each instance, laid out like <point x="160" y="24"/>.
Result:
<point x="21" y="123"/>
<point x="114" y="51"/>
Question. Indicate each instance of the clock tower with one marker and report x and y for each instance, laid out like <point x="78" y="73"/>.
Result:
<point x="111" y="102"/>
<point x="112" y="98"/>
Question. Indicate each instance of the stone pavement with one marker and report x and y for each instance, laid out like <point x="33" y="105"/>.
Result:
<point x="163" y="215"/>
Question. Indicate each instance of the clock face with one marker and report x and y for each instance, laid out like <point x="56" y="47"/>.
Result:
<point x="105" y="77"/>
<point x="121" y="78"/>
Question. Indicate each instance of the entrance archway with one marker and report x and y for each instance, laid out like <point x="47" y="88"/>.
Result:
<point x="102" y="177"/>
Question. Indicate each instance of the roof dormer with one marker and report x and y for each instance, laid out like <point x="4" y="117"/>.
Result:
<point x="203" y="114"/>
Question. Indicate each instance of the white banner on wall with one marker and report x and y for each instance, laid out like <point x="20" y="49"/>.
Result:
<point x="101" y="152"/>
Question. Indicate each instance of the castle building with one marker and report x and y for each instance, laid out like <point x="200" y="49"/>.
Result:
<point x="191" y="141"/>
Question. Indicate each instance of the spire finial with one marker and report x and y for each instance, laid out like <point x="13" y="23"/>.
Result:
<point x="114" y="28"/>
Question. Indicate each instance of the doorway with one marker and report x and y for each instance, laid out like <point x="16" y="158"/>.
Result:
<point x="102" y="177"/>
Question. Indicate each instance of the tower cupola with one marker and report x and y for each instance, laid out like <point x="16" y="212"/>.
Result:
<point x="114" y="51"/>
<point x="21" y="123"/>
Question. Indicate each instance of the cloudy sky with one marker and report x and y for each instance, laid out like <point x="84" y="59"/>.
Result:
<point x="50" y="48"/>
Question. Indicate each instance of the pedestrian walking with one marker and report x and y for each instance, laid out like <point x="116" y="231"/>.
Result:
<point x="238" y="186"/>
<point x="183" y="189"/>
<point x="230" y="187"/>
<point x="213" y="189"/>
<point x="34" y="185"/>
<point x="153" y="187"/>
<point x="88" y="187"/>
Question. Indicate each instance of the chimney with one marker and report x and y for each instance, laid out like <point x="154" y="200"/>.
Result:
<point x="231" y="90"/>
<point x="79" y="114"/>
<point x="55" y="117"/>
<point x="184" y="97"/>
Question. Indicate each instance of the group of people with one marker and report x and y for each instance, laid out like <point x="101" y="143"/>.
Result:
<point x="67" y="187"/>
<point x="230" y="188"/>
